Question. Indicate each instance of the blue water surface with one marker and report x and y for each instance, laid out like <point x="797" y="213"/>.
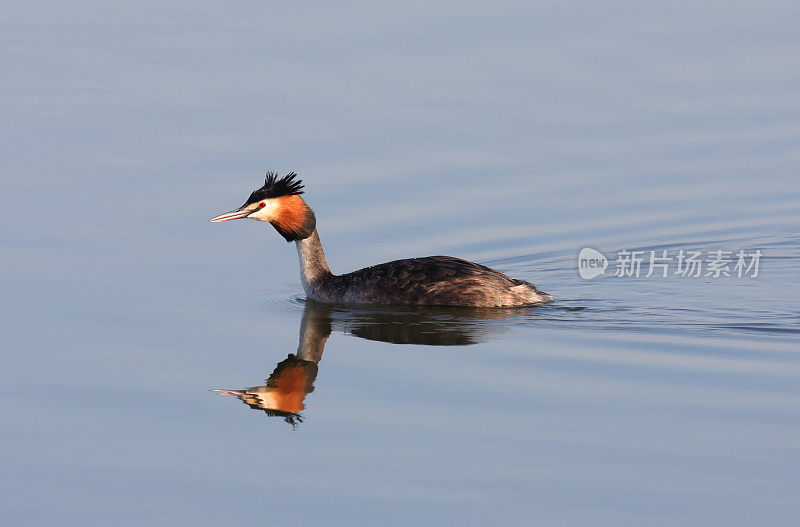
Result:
<point x="511" y="134"/>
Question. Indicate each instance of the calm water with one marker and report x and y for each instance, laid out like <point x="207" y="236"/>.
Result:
<point x="510" y="135"/>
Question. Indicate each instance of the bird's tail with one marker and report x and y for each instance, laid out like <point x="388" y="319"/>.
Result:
<point x="528" y="293"/>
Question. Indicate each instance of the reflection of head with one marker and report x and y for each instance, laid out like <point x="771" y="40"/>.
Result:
<point x="285" y="391"/>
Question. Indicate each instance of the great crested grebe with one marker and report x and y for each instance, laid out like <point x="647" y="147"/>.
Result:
<point x="432" y="280"/>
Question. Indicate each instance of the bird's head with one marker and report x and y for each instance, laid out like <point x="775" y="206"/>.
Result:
<point x="279" y="203"/>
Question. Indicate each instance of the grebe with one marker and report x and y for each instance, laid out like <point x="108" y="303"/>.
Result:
<point x="432" y="280"/>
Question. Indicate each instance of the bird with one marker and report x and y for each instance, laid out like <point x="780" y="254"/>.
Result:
<point x="425" y="281"/>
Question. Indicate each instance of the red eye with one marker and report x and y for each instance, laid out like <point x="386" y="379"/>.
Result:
<point x="262" y="205"/>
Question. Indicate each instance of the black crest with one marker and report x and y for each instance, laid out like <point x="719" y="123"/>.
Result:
<point x="275" y="188"/>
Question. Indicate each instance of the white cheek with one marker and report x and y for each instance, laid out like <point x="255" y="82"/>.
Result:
<point x="265" y="213"/>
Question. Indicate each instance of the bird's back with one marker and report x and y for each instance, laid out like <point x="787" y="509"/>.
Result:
<point x="433" y="280"/>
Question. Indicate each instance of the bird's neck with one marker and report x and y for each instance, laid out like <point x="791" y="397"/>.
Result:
<point x="313" y="267"/>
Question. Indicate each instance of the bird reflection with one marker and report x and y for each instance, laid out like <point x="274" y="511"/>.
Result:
<point x="285" y="390"/>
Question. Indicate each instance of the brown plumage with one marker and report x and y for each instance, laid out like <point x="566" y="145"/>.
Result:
<point x="293" y="219"/>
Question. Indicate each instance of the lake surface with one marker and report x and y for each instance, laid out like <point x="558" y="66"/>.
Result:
<point x="511" y="135"/>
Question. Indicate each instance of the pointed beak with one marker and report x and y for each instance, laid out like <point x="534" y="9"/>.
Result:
<point x="229" y="392"/>
<point x="232" y="215"/>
